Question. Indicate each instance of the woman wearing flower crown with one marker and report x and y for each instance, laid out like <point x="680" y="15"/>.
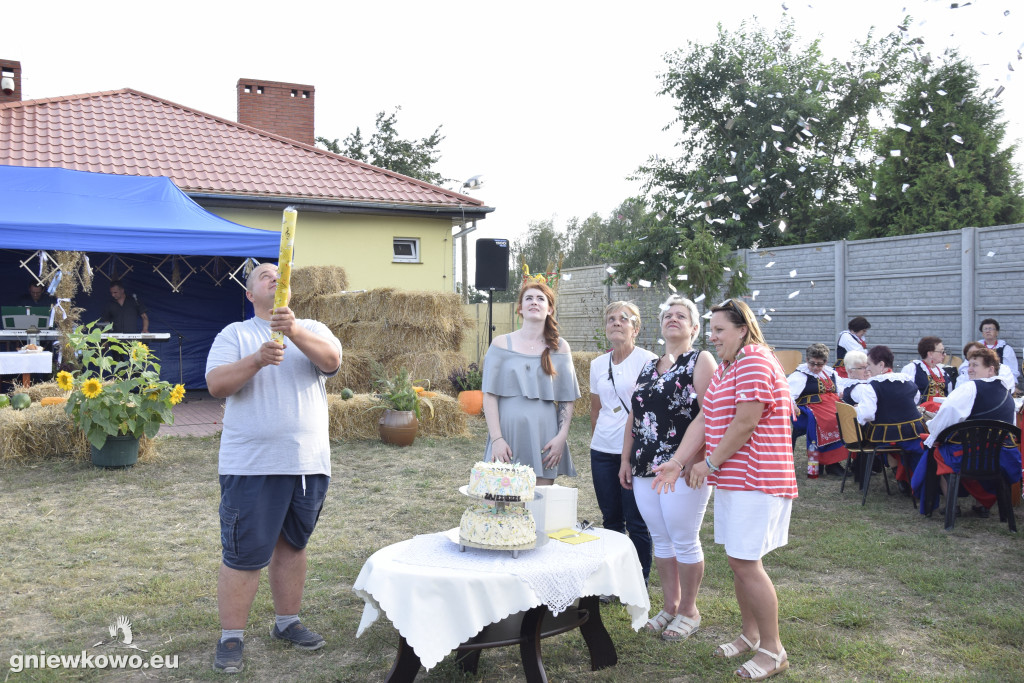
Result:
<point x="529" y="387"/>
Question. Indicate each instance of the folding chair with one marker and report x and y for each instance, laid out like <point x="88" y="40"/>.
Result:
<point x="789" y="359"/>
<point x="982" y="441"/>
<point x="852" y="435"/>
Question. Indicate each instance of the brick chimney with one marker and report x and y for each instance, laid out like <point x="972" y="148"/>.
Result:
<point x="10" y="78"/>
<point x="280" y="108"/>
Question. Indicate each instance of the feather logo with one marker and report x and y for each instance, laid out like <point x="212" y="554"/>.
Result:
<point x="125" y="627"/>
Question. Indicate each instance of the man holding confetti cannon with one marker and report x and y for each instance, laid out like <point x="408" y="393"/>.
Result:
<point x="274" y="461"/>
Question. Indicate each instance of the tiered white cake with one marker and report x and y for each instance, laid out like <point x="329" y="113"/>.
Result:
<point x="502" y="521"/>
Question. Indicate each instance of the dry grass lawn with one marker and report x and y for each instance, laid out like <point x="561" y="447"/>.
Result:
<point x="873" y="593"/>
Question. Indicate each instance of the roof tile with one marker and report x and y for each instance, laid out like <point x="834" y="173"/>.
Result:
<point x="130" y="132"/>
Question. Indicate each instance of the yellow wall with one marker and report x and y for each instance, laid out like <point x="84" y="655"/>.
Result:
<point x="362" y="245"/>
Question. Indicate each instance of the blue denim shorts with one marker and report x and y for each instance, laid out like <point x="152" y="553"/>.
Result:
<point x="256" y="510"/>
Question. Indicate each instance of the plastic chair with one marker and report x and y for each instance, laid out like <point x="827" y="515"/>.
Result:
<point x="789" y="359"/>
<point x="852" y="435"/>
<point x="982" y="441"/>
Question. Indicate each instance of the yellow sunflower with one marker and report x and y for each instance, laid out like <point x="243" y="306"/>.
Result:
<point x="152" y="392"/>
<point x="65" y="381"/>
<point x="140" y="351"/>
<point x="177" y="393"/>
<point x="92" y="387"/>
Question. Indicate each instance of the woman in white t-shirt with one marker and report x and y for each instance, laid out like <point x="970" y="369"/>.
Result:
<point x="612" y="380"/>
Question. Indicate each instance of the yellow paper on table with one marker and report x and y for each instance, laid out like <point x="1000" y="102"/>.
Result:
<point x="571" y="536"/>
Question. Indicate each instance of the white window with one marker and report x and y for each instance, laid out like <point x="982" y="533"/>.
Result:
<point x="406" y="250"/>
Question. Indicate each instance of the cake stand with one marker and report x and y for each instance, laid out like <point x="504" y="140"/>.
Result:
<point x="463" y="543"/>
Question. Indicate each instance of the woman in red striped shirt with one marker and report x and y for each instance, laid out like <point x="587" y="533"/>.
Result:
<point x="749" y="459"/>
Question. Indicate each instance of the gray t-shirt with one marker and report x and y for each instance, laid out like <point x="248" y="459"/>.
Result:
<point x="277" y="422"/>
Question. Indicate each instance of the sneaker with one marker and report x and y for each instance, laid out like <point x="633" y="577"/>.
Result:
<point x="229" y="656"/>
<point x="299" y="636"/>
<point x="835" y="469"/>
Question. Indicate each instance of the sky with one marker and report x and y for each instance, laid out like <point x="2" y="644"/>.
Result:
<point x="553" y="103"/>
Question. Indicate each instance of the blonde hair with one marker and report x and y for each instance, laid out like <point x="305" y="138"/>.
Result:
<point x="740" y="315"/>
<point x="676" y="300"/>
<point x="634" y="313"/>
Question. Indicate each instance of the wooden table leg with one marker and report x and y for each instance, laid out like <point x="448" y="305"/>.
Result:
<point x="529" y="649"/>
<point x="467" y="660"/>
<point x="602" y="649"/>
<point x="26" y="379"/>
<point x="406" y="666"/>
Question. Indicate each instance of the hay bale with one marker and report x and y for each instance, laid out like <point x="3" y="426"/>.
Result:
<point x="434" y="366"/>
<point x="581" y="362"/>
<point x="357" y="417"/>
<point x="45" y="390"/>
<point x="313" y="282"/>
<point x="47" y="432"/>
<point x="355" y="372"/>
<point x="387" y="340"/>
<point x="441" y="312"/>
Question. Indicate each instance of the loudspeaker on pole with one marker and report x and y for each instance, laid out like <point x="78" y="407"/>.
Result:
<point x="492" y="264"/>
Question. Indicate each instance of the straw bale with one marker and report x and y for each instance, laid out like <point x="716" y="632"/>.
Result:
<point x="387" y="340"/>
<point x="355" y="372"/>
<point x="357" y="417"/>
<point x="46" y="432"/>
<point x="581" y="362"/>
<point x="440" y="312"/>
<point x="312" y="282"/>
<point x="45" y="390"/>
<point x="434" y="366"/>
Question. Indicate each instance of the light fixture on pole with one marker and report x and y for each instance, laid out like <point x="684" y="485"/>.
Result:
<point x="474" y="183"/>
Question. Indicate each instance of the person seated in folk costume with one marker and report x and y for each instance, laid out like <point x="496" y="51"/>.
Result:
<point x="933" y="379"/>
<point x="851" y="339"/>
<point x="989" y="329"/>
<point x="814" y="387"/>
<point x="887" y="406"/>
<point x="1004" y="373"/>
<point x="856" y="370"/>
<point x="984" y="397"/>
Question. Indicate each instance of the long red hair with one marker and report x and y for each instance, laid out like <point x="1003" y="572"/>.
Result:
<point x="550" y="324"/>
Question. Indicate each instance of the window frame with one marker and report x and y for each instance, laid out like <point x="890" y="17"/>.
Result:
<point x="412" y="241"/>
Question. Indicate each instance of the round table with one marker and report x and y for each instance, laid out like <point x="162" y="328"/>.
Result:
<point x="440" y="599"/>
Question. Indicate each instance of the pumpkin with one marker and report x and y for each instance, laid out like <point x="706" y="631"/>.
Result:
<point x="53" y="401"/>
<point x="418" y="390"/>
<point x="20" y="401"/>
<point x="428" y="394"/>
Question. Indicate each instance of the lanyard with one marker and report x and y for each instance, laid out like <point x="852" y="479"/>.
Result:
<point x="614" y="388"/>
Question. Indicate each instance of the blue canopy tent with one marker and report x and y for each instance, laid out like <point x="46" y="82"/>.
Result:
<point x="128" y="225"/>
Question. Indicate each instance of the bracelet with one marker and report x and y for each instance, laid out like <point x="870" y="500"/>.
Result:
<point x="707" y="461"/>
<point x="679" y="464"/>
<point x="500" y="438"/>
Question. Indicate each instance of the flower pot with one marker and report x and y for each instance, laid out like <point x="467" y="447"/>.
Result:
<point x="398" y="427"/>
<point x="118" y="451"/>
<point x="472" y="402"/>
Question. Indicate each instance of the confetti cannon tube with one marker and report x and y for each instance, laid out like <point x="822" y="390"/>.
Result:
<point x="284" y="264"/>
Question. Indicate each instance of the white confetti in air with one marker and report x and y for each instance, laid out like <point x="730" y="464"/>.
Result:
<point x="699" y="299"/>
<point x="817" y="193"/>
<point x="731" y="179"/>
<point x="707" y="316"/>
<point x="671" y="287"/>
<point x="753" y="295"/>
<point x="924" y="122"/>
<point x="792" y="273"/>
<point x="894" y="152"/>
<point x="644" y="283"/>
<point x="949" y="158"/>
<point x="991" y="254"/>
<point x="872" y="197"/>
<point x="903" y="126"/>
<point x="941" y="92"/>
<point x="778" y="129"/>
<point x="905" y="186"/>
<point x="750" y="104"/>
<point x="767" y="318"/>
<point x="999" y="92"/>
<point x="958" y="139"/>
<point x="727" y="269"/>
<point x="610" y="270"/>
<point x="682" y="278"/>
<point x="566" y="276"/>
<point x="793" y="294"/>
<point x="661" y="342"/>
<point x="812" y="283"/>
<point x="782" y="226"/>
<point x="770" y="264"/>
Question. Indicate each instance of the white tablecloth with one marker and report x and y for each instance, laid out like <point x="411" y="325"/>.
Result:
<point x="439" y="605"/>
<point x="14" y="363"/>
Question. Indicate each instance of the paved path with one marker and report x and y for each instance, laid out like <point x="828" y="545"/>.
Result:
<point x="198" y="415"/>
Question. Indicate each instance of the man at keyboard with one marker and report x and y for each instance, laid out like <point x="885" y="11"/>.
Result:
<point x="124" y="312"/>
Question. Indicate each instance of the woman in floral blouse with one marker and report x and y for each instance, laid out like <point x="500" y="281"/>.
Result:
<point x="669" y="395"/>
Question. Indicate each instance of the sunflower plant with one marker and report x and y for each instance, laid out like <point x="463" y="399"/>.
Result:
<point x="117" y="389"/>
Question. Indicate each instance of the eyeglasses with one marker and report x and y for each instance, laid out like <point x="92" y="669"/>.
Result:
<point x="726" y="305"/>
<point x="815" y="363"/>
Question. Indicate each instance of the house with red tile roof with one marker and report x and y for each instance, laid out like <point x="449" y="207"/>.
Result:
<point x="384" y="228"/>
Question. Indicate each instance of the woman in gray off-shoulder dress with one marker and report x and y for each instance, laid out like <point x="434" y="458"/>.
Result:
<point x="529" y="387"/>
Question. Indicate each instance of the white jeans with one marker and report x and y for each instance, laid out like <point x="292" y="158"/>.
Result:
<point x="673" y="518"/>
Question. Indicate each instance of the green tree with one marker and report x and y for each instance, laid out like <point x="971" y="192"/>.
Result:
<point x="386" y="149"/>
<point x="950" y="172"/>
